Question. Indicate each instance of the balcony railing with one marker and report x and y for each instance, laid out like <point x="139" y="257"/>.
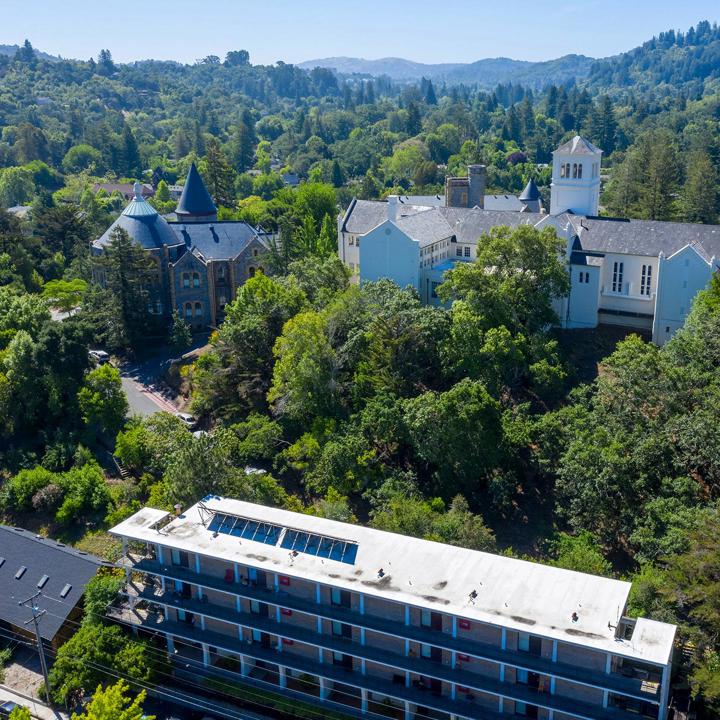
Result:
<point x="532" y="663"/>
<point x="415" y="666"/>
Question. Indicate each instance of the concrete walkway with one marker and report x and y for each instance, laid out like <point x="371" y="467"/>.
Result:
<point x="37" y="709"/>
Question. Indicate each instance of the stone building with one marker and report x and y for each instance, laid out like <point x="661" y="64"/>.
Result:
<point x="201" y="261"/>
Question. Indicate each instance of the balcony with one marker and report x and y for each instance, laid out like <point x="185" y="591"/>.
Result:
<point x="614" y="682"/>
<point x="417" y="666"/>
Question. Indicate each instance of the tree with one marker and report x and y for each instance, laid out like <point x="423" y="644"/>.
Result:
<point x="64" y="229"/>
<point x="700" y="197"/>
<point x="80" y="662"/>
<point x="26" y="53"/>
<point x="180" y="333"/>
<point x="16" y="187"/>
<point x="235" y="58"/>
<point x="218" y="175"/>
<point x="20" y="713"/>
<point x="65" y="295"/>
<point x="115" y="703"/>
<point x="129" y="153"/>
<point x="579" y="553"/>
<point x="122" y="311"/>
<point x="105" y="64"/>
<point x="244" y="142"/>
<point x="603" y="127"/>
<point x="303" y="377"/>
<point x="514" y="280"/>
<point x="82" y="157"/>
<point x="457" y="434"/>
<point x="102" y="399"/>
<point x="100" y="591"/>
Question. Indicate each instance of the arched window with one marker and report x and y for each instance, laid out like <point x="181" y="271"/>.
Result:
<point x="261" y="269"/>
<point x="196" y="279"/>
<point x="574" y="171"/>
<point x="188" y="310"/>
<point x="255" y="252"/>
<point x="186" y="280"/>
<point x="579" y="171"/>
<point x="251" y="271"/>
<point x="562" y="170"/>
<point x="198" y="310"/>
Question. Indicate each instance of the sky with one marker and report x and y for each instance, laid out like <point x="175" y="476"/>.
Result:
<point x="298" y="30"/>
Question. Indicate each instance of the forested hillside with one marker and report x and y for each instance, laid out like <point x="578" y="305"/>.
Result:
<point x="467" y="424"/>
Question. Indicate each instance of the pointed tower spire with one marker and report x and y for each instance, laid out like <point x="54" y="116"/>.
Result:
<point x="195" y="204"/>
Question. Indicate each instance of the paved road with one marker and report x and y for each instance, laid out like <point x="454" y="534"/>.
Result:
<point x="37" y="709"/>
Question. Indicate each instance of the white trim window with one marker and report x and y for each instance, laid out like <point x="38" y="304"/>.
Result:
<point x="646" y="280"/>
<point x="617" y="278"/>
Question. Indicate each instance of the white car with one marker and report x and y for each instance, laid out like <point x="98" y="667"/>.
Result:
<point x="100" y="357"/>
<point x="188" y="420"/>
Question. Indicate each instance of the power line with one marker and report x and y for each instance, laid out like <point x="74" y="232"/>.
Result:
<point x="36" y="615"/>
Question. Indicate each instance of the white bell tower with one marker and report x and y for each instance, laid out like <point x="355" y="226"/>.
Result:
<point x="576" y="178"/>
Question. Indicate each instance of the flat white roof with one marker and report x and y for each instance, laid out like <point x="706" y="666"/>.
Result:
<point x="524" y="596"/>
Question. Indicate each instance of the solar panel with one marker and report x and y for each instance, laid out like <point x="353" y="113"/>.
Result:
<point x="294" y="540"/>
<point x="321" y="546"/>
<point x="245" y="528"/>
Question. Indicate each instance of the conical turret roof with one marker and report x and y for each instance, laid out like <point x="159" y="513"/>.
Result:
<point x="530" y="192"/>
<point x="195" y="199"/>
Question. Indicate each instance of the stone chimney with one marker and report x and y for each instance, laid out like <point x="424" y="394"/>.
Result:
<point x="477" y="181"/>
<point x="392" y="204"/>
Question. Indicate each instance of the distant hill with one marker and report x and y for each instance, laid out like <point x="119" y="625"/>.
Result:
<point x="688" y="61"/>
<point x="12" y="49"/>
<point x="485" y="73"/>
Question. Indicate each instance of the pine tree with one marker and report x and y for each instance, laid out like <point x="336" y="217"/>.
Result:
<point x="603" y="126"/>
<point x="129" y="153"/>
<point x="180" y="333"/>
<point x="657" y="192"/>
<point x="699" y="198"/>
<point x="219" y="176"/>
<point x="26" y="54"/>
<point x="327" y="240"/>
<point x="430" y="97"/>
<point x="244" y="143"/>
<point x="105" y="64"/>
<point x="127" y="270"/>
<point x="414" y="121"/>
<point x="338" y="177"/>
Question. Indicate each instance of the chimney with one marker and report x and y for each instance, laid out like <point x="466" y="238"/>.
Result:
<point x="178" y="509"/>
<point x="392" y="203"/>
<point x="477" y="181"/>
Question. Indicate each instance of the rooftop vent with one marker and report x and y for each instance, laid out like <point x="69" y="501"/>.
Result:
<point x="2" y="561"/>
<point x="20" y="572"/>
<point x="43" y="581"/>
<point x="64" y="592"/>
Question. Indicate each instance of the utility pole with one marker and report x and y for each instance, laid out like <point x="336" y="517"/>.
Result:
<point x="36" y="615"/>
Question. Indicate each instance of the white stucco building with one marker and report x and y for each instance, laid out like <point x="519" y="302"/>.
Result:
<point x="641" y="274"/>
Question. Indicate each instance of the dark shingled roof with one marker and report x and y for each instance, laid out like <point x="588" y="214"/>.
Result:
<point x="217" y="240"/>
<point x="40" y="556"/>
<point x="150" y="231"/>
<point x="530" y="192"/>
<point x="195" y="199"/>
<point x="647" y="237"/>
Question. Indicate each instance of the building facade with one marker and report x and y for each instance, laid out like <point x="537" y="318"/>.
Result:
<point x="385" y="625"/>
<point x="200" y="262"/>
<point x="639" y="274"/>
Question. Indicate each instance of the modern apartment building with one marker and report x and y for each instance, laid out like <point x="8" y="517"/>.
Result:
<point x="385" y="625"/>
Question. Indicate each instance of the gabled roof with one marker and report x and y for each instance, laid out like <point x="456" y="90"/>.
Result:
<point x="216" y="240"/>
<point x="530" y="192"/>
<point x="648" y="237"/>
<point x="578" y="146"/>
<point x="195" y="199"/>
<point x="63" y="566"/>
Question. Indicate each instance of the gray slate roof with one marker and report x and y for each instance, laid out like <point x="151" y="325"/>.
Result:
<point x="647" y="237"/>
<point x="216" y="240"/>
<point x="195" y="199"/>
<point x="596" y="235"/>
<point x="578" y="146"/>
<point x="530" y="192"/>
<point x="503" y="202"/>
<point x="150" y="231"/>
<point x="63" y="566"/>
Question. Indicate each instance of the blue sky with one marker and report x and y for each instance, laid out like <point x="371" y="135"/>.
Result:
<point x="297" y="30"/>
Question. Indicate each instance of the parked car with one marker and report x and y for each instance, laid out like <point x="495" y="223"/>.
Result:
<point x="99" y="357"/>
<point x="188" y="420"/>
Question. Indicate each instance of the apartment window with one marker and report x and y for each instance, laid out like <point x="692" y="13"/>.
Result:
<point x="466" y="251"/>
<point x="341" y="629"/>
<point x="351" y="240"/>
<point x="617" y="278"/>
<point x="221" y="272"/>
<point x="198" y="310"/>
<point x="426" y="651"/>
<point x="357" y="242"/>
<point x="196" y="279"/>
<point x="646" y="280"/>
<point x="521" y="676"/>
<point x="584" y="277"/>
<point x="179" y="557"/>
<point x="433" y="289"/>
<point x="340" y="597"/>
<point x="186" y="280"/>
<point x="188" y="310"/>
<point x="458" y="251"/>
